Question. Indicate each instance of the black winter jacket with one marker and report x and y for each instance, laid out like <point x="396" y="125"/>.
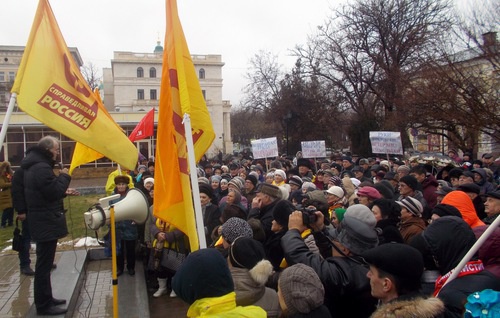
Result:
<point x="44" y="193"/>
<point x="347" y="289"/>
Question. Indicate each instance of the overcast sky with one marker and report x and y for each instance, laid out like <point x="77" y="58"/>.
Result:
<point x="236" y="29"/>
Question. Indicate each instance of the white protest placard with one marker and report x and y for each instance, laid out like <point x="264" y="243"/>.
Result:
<point x="265" y="148"/>
<point x="313" y="149"/>
<point x="388" y="142"/>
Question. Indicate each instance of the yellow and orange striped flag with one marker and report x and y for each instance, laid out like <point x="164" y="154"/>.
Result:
<point x="180" y="94"/>
<point x="51" y="89"/>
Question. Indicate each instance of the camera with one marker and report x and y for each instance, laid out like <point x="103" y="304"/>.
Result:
<point x="309" y="216"/>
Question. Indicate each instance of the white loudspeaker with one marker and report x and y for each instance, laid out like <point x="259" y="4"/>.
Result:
<point x="133" y="207"/>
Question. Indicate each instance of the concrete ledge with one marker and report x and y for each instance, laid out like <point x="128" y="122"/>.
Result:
<point x="66" y="280"/>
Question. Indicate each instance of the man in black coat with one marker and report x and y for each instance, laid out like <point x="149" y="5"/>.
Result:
<point x="44" y="192"/>
<point x="263" y="206"/>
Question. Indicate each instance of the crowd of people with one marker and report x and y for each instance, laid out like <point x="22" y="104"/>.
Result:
<point x="340" y="237"/>
<point x="343" y="237"/>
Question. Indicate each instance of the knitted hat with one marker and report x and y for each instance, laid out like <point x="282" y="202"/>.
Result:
<point x="269" y="189"/>
<point x="335" y="180"/>
<point x="401" y="260"/>
<point x="412" y="205"/>
<point x="404" y="168"/>
<point x="252" y="179"/>
<point x="225" y="181"/>
<point x="203" y="180"/>
<point x="234" y="228"/>
<point x="122" y="179"/>
<point x="339" y="212"/>
<point x="410" y="181"/>
<point x="149" y="180"/>
<point x="207" y="189"/>
<point x="282" y="211"/>
<point x="362" y="213"/>
<point x="142" y="167"/>
<point x="215" y="178"/>
<point x="328" y="173"/>
<point x="356" y="182"/>
<point x="296" y="180"/>
<point x="203" y="274"/>
<point x="248" y="253"/>
<point x="301" y="289"/>
<point x="357" y="235"/>
<point x="236" y="183"/>
<point x="369" y="192"/>
<point x="336" y="191"/>
<point x="280" y="173"/>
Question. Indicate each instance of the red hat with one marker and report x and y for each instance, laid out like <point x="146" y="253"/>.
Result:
<point x="369" y="192"/>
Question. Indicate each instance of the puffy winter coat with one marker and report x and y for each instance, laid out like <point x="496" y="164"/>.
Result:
<point x="223" y="307"/>
<point x="44" y="192"/>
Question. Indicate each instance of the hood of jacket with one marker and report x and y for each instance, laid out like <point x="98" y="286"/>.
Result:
<point x="463" y="203"/>
<point x="35" y="155"/>
<point x="449" y="238"/>
<point x="247" y="290"/>
<point x="429" y="180"/>
<point x="482" y="173"/>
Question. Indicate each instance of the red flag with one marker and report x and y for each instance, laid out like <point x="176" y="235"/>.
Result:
<point x="145" y="128"/>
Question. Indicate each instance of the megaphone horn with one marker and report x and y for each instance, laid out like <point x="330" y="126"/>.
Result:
<point x="133" y="207"/>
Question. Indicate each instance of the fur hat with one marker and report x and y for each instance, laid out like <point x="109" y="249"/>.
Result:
<point x="410" y="181"/>
<point x="234" y="228"/>
<point x="269" y="189"/>
<point x="282" y="211"/>
<point x="446" y="210"/>
<point x="336" y="191"/>
<point x="469" y="188"/>
<point x="357" y="235"/>
<point x="362" y="213"/>
<point x="203" y="274"/>
<point x="412" y="205"/>
<point x="122" y="179"/>
<point x="369" y="192"/>
<point x="304" y="162"/>
<point x="248" y="253"/>
<point x="301" y="289"/>
<point x="207" y="189"/>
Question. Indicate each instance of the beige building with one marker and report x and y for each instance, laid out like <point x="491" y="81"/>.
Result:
<point x="127" y="97"/>
<point x="132" y="84"/>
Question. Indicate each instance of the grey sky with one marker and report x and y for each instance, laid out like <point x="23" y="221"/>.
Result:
<point x="236" y="29"/>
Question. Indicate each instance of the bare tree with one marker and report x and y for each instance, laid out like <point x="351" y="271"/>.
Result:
<point x="263" y="78"/>
<point x="92" y="75"/>
<point x="369" y="49"/>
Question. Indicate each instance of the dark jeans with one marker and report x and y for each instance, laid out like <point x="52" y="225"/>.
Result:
<point x="7" y="217"/>
<point x="45" y="253"/>
<point x="24" y="253"/>
<point x="127" y="250"/>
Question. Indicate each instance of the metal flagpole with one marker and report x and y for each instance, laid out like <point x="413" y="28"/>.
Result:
<point x="6" y="120"/>
<point x="194" y="182"/>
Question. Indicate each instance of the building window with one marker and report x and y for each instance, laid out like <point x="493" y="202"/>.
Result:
<point x="12" y="76"/>
<point x="2" y="76"/>
<point x="152" y="94"/>
<point x="201" y="73"/>
<point x="152" y="72"/>
<point x="140" y="94"/>
<point x="204" y="92"/>
<point x="140" y="72"/>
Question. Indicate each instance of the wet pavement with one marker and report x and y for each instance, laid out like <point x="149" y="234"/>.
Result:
<point x="92" y="294"/>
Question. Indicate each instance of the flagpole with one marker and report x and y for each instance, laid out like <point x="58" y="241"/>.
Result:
<point x="194" y="182"/>
<point x="6" y="120"/>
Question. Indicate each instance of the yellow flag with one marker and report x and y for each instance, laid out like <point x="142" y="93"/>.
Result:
<point x="51" y="89"/>
<point x="180" y="93"/>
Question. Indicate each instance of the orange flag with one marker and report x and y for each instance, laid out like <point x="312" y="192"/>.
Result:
<point x="51" y="88"/>
<point x="180" y="93"/>
<point x="145" y="128"/>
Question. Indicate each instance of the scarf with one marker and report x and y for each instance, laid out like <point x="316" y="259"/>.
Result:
<point x="472" y="267"/>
